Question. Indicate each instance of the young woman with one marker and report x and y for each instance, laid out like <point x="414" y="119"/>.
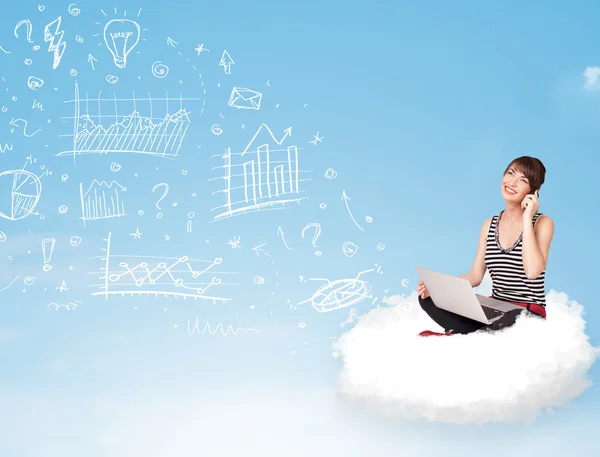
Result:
<point x="513" y="246"/>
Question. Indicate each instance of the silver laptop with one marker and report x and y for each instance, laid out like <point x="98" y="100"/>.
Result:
<point x="456" y="295"/>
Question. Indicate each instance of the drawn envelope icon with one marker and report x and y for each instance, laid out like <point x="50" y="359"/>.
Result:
<point x="243" y="98"/>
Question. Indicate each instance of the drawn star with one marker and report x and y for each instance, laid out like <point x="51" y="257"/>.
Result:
<point x="317" y="139"/>
<point x="137" y="234"/>
<point x="235" y="243"/>
<point x="201" y="48"/>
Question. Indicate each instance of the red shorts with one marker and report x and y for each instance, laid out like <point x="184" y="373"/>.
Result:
<point x="532" y="307"/>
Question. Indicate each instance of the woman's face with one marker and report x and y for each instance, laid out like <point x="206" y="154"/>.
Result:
<point x="515" y="186"/>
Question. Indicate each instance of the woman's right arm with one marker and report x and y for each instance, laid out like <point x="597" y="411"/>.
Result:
<point x="475" y="276"/>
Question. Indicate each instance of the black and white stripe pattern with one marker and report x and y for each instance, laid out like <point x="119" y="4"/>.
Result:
<point x="509" y="281"/>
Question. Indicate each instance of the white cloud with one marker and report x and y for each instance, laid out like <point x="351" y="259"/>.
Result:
<point x="510" y="376"/>
<point x="591" y="75"/>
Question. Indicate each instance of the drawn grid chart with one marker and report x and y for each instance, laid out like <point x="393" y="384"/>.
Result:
<point x="146" y="125"/>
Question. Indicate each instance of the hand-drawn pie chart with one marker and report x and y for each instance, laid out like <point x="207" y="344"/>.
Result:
<point x="20" y="192"/>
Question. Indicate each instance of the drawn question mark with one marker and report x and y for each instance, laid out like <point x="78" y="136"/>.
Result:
<point x="163" y="195"/>
<point x="28" y="26"/>
<point x="317" y="234"/>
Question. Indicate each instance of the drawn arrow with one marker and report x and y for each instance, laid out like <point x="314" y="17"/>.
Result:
<point x="258" y="249"/>
<point x="346" y="198"/>
<point x="171" y="42"/>
<point x="287" y="132"/>
<point x="280" y="232"/>
<point x="91" y="60"/>
<point x="4" y="50"/>
<point x="14" y="123"/>
<point x="226" y="62"/>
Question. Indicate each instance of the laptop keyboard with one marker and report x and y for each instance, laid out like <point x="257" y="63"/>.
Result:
<point x="491" y="313"/>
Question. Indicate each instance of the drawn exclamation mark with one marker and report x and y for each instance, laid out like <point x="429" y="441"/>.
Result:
<point x="47" y="250"/>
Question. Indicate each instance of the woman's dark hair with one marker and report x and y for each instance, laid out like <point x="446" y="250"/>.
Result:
<point x="533" y="169"/>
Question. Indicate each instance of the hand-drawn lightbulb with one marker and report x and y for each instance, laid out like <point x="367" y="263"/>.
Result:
<point x="120" y="37"/>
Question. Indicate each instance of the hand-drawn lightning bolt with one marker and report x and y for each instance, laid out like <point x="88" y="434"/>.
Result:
<point x="54" y="38"/>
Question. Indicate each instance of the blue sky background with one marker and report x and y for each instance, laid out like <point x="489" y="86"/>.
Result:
<point x="420" y="106"/>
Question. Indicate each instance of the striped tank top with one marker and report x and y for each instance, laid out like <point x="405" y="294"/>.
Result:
<point x="509" y="281"/>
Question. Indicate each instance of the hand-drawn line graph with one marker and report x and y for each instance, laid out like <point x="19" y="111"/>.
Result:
<point x="101" y="200"/>
<point x="263" y="183"/>
<point x="99" y="128"/>
<point x="158" y="276"/>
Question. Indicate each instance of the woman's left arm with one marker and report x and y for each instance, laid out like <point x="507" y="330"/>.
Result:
<point x="536" y="245"/>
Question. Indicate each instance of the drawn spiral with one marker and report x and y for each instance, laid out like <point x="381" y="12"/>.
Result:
<point x="216" y="129"/>
<point x="159" y="69"/>
<point x="73" y="10"/>
<point x="34" y="83"/>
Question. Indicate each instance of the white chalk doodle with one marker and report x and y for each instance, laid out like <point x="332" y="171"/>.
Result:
<point x="75" y="241"/>
<point x="121" y="36"/>
<point x="282" y="235"/>
<point x="229" y="330"/>
<point x="25" y="194"/>
<point x="235" y="243"/>
<point x="71" y="306"/>
<point x="144" y="275"/>
<point x="369" y="219"/>
<point x="244" y="98"/>
<point x="216" y="129"/>
<point x="3" y="237"/>
<point x="28" y="29"/>
<point x="264" y="183"/>
<point x="190" y="216"/>
<point x="166" y="186"/>
<point x="330" y="173"/>
<point x="47" y="251"/>
<point x="259" y="280"/>
<point x="101" y="200"/>
<point x="115" y="167"/>
<point x="37" y="105"/>
<point x="34" y="83"/>
<point x="62" y="209"/>
<point x="346" y="198"/>
<point x="73" y="10"/>
<point x="112" y="79"/>
<point x="28" y="61"/>
<point x="317" y="233"/>
<point x="64" y="177"/>
<point x="79" y="39"/>
<point x="5" y="147"/>
<point x="317" y="139"/>
<point x="29" y="280"/>
<point x="339" y="294"/>
<point x="4" y="50"/>
<point x="73" y="72"/>
<point x="226" y="62"/>
<point x="159" y="70"/>
<point x="10" y="284"/>
<point x="380" y="246"/>
<point x="137" y="234"/>
<point x="349" y="249"/>
<point x="200" y="49"/>
<point x="152" y="135"/>
<point x="63" y="287"/>
<point x="15" y="123"/>
<point x="54" y="37"/>
<point x="91" y="59"/>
